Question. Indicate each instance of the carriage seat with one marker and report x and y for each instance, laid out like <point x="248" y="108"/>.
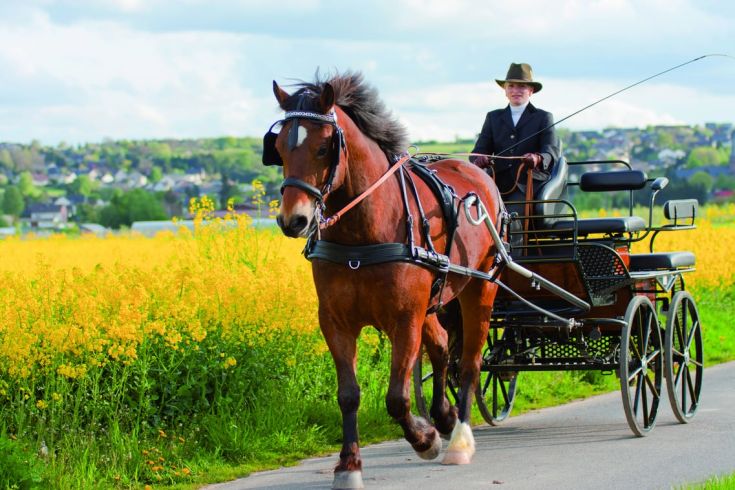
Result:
<point x="608" y="226"/>
<point x="667" y="260"/>
<point x="554" y="188"/>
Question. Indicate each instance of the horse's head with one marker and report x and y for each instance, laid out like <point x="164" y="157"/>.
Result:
<point x="309" y="145"/>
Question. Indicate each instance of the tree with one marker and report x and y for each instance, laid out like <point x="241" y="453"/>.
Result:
<point x="26" y="186"/>
<point x="13" y="203"/>
<point x="703" y="156"/>
<point x="156" y="174"/>
<point x="6" y="160"/>
<point x="702" y="179"/>
<point x="136" y="205"/>
<point x="82" y="185"/>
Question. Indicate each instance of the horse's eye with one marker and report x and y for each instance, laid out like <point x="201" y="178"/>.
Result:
<point x="322" y="151"/>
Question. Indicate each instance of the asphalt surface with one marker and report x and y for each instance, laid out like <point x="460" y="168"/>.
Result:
<point x="581" y="445"/>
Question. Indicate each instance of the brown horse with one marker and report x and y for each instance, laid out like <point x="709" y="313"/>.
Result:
<point x="335" y="142"/>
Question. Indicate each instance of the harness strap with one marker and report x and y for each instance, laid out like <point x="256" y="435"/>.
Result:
<point x="336" y="216"/>
<point x="355" y="256"/>
<point x="406" y="209"/>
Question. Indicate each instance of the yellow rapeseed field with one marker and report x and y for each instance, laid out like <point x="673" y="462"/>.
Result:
<point x="70" y="303"/>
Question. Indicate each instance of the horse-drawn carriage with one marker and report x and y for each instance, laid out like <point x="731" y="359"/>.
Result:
<point x="557" y="293"/>
<point x="635" y="317"/>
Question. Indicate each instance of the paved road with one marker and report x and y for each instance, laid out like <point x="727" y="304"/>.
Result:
<point x="581" y="445"/>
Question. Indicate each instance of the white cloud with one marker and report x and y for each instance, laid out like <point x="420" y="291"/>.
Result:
<point x="80" y="70"/>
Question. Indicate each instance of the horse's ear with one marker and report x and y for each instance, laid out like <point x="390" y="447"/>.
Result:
<point x="281" y="95"/>
<point x="327" y="98"/>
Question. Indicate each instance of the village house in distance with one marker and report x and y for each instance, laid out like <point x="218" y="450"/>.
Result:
<point x="109" y="185"/>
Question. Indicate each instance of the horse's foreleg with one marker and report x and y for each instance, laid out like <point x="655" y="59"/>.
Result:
<point x="476" y="301"/>
<point x="422" y="436"/>
<point x="435" y="340"/>
<point x="343" y="346"/>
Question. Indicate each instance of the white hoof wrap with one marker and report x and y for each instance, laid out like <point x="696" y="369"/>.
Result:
<point x="461" y="445"/>
<point x="347" y="480"/>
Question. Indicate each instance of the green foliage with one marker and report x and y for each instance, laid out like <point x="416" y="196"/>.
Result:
<point x="26" y="186"/>
<point x="724" y="482"/>
<point x="136" y="205"/>
<point x="703" y="180"/>
<point x="13" y="203"/>
<point x="702" y="156"/>
<point x="18" y="467"/>
<point x="83" y="186"/>
<point x="6" y="160"/>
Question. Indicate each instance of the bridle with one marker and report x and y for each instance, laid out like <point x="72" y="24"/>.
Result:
<point x="272" y="157"/>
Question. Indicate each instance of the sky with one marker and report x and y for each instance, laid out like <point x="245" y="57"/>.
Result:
<point x="83" y="71"/>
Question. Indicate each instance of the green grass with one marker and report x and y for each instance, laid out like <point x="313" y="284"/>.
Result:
<point x="723" y="482"/>
<point x="432" y="147"/>
<point x="175" y="409"/>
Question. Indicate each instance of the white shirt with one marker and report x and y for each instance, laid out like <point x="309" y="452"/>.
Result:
<point x="517" y="111"/>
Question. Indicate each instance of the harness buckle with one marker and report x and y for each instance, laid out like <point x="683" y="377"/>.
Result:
<point x="355" y="266"/>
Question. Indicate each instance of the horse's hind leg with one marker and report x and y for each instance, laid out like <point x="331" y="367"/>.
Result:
<point x="476" y="300"/>
<point x="422" y="436"/>
<point x="435" y="340"/>
<point x="343" y="346"/>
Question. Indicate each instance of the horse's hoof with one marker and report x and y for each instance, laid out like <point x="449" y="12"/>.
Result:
<point x="457" y="457"/>
<point x="347" y="479"/>
<point x="434" y="450"/>
<point x="461" y="446"/>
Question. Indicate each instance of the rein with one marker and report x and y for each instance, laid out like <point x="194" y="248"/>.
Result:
<point x="327" y="222"/>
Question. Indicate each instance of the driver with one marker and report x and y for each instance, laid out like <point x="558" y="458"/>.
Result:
<point x="505" y="128"/>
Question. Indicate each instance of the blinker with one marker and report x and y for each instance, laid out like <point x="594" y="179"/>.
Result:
<point x="270" y="154"/>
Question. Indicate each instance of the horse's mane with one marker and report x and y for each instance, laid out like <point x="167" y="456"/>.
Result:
<point x="361" y="102"/>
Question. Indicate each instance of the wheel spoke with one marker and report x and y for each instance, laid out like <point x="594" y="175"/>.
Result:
<point x="678" y="356"/>
<point x="503" y="390"/>
<point x="690" y="338"/>
<point x="677" y="378"/>
<point x="678" y="328"/>
<point x="637" y="397"/>
<point x="695" y="362"/>
<point x="647" y="334"/>
<point x="487" y="382"/>
<point x="644" y="398"/>
<point x="683" y="389"/>
<point x="634" y="374"/>
<point x="495" y="396"/>
<point x="653" y="356"/>
<point x="651" y="386"/>
<point x="692" y="394"/>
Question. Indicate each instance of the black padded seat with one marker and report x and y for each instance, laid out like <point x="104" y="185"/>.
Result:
<point x="667" y="260"/>
<point x="588" y="226"/>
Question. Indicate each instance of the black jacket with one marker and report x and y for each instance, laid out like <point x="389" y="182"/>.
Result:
<point x="498" y="136"/>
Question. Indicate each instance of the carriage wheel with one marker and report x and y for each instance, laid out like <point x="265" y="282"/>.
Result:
<point x="423" y="378"/>
<point x="641" y="365"/>
<point x="496" y="391"/>
<point x="684" y="356"/>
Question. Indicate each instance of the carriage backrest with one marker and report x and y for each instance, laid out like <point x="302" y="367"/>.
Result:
<point x="554" y="188"/>
<point x="617" y="180"/>
<point x="681" y="209"/>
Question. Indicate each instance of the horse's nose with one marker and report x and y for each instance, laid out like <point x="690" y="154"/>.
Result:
<point x="294" y="226"/>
